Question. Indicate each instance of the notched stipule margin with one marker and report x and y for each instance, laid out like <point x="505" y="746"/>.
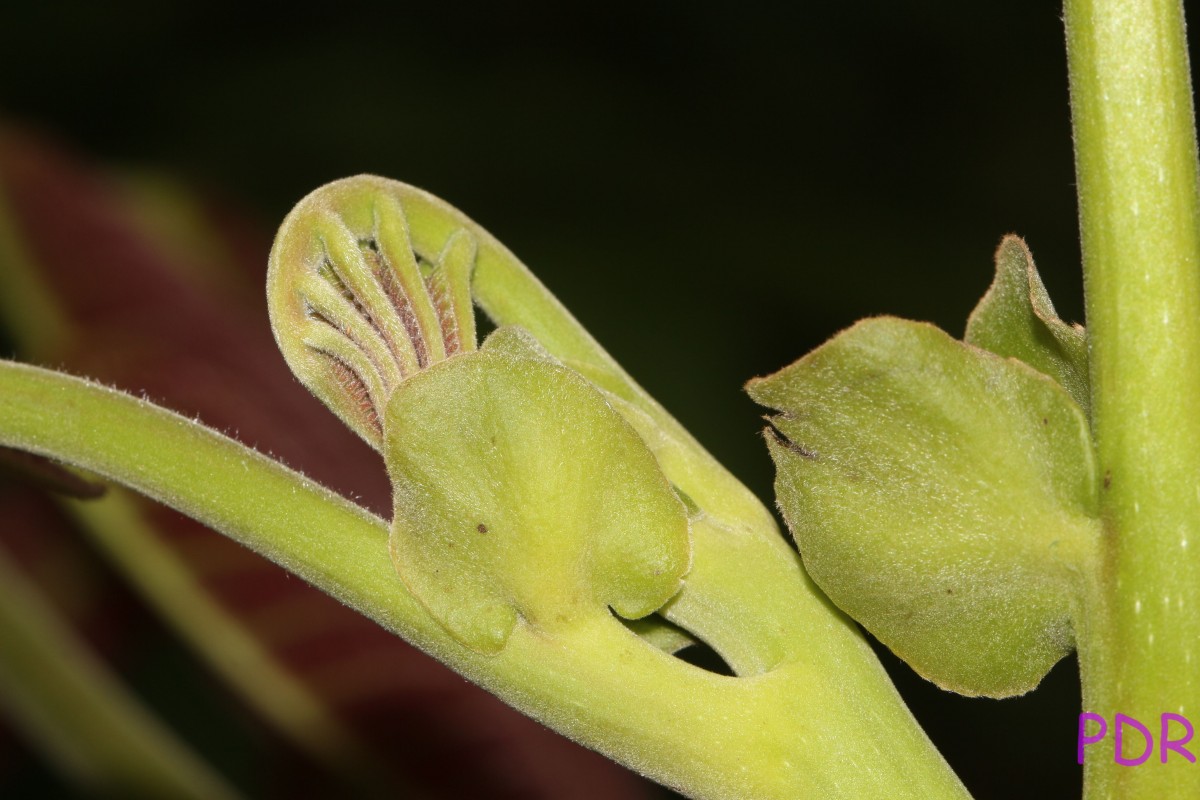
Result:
<point x="781" y="439"/>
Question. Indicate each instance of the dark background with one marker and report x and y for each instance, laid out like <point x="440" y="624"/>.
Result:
<point x="712" y="189"/>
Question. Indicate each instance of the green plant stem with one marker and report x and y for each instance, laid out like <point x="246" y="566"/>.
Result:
<point x="1135" y="150"/>
<point x="822" y="723"/>
<point x="73" y="708"/>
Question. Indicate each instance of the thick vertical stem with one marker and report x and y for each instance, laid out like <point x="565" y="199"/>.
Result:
<point x="1135" y="151"/>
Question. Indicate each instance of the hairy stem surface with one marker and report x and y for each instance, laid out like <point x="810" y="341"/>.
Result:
<point x="1135" y="151"/>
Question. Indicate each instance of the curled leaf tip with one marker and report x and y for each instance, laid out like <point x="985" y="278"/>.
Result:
<point x="357" y="307"/>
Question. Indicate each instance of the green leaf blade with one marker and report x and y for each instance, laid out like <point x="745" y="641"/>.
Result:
<point x="941" y="496"/>
<point x="519" y="492"/>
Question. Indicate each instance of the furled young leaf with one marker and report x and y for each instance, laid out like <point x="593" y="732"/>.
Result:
<point x="356" y="307"/>
<point x="519" y="492"/>
<point x="1016" y="319"/>
<point x="940" y="495"/>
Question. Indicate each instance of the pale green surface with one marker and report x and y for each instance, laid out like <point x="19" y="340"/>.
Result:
<point x="1135" y="152"/>
<point x="519" y="491"/>
<point x="1016" y="319"/>
<point x="941" y="496"/>
<point x="823" y="723"/>
<point x="69" y="705"/>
